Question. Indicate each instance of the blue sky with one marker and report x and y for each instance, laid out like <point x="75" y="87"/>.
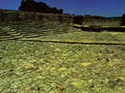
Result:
<point x="106" y="8"/>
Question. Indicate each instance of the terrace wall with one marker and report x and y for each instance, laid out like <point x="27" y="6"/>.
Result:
<point x="7" y="16"/>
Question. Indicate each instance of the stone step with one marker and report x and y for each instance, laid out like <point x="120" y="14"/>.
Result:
<point x="100" y="28"/>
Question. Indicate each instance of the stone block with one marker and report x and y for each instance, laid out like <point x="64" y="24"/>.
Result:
<point x="96" y="28"/>
<point x="123" y="20"/>
<point x="78" y="20"/>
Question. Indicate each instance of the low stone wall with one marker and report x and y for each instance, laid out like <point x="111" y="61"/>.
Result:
<point x="17" y="16"/>
<point x="95" y="28"/>
<point x="8" y="16"/>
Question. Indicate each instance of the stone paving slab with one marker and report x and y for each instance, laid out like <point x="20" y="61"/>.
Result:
<point x="48" y="67"/>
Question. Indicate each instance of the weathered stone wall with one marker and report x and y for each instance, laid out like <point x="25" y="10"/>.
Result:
<point x="8" y="16"/>
<point x="78" y="20"/>
<point x="17" y="16"/>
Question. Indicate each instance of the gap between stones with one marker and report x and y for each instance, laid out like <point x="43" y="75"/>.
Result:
<point x="91" y="43"/>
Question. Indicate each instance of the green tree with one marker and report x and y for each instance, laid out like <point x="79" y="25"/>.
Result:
<point x="28" y="5"/>
<point x="42" y="7"/>
<point x="32" y="6"/>
<point x="60" y="11"/>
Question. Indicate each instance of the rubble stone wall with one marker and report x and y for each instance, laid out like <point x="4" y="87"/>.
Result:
<point x="16" y="16"/>
<point x="8" y="16"/>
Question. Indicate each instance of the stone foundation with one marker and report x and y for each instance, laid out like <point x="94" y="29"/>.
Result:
<point x="123" y="20"/>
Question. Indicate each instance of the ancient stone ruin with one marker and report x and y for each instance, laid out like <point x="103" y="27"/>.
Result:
<point x="123" y="20"/>
<point x="8" y="16"/>
<point x="78" y="20"/>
